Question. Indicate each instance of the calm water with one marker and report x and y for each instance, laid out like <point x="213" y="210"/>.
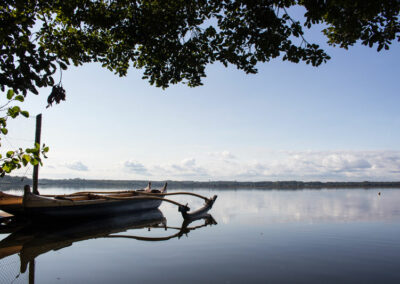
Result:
<point x="307" y="236"/>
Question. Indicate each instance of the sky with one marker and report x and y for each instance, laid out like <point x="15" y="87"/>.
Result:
<point x="336" y="122"/>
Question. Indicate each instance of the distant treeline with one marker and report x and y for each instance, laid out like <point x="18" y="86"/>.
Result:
<point x="17" y="182"/>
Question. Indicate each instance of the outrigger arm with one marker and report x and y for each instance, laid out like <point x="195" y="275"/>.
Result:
<point x="184" y="209"/>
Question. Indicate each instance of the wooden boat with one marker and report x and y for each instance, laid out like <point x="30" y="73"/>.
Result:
<point x="11" y="204"/>
<point x="80" y="204"/>
<point x="93" y="203"/>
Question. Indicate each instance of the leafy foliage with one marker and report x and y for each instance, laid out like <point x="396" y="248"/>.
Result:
<point x="57" y="95"/>
<point x="15" y="159"/>
<point x="372" y="22"/>
<point x="18" y="158"/>
<point x="174" y="40"/>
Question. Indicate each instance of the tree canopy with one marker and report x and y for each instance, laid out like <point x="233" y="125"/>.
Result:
<point x="174" y="40"/>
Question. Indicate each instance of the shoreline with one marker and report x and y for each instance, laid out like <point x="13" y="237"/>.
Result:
<point x="16" y="182"/>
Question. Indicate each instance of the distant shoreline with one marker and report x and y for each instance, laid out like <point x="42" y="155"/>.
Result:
<point x="17" y="182"/>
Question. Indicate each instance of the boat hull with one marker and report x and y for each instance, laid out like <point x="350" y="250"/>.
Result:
<point x="91" y="210"/>
<point x="11" y="204"/>
<point x="39" y="207"/>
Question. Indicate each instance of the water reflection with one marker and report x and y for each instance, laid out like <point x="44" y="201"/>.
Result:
<point x="307" y="206"/>
<point x="32" y="240"/>
<point x="274" y="236"/>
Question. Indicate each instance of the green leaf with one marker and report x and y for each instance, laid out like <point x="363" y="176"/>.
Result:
<point x="4" y="131"/>
<point x="10" y="94"/>
<point x="9" y="154"/>
<point x="7" y="168"/>
<point x="25" y="113"/>
<point x="19" y="98"/>
<point x="46" y="149"/>
<point x="16" y="109"/>
<point x="3" y="122"/>
<point x="26" y="158"/>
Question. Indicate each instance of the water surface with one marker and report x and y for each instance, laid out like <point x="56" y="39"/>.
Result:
<point x="302" y="236"/>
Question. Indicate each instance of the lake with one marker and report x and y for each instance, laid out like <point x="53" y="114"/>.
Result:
<point x="253" y="236"/>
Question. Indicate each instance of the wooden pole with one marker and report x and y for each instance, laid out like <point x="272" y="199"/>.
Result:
<point x="37" y="140"/>
<point x="32" y="271"/>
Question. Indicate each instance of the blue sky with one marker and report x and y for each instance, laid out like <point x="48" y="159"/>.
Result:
<point x="339" y="121"/>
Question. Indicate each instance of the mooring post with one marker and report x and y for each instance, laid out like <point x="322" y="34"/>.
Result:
<point x="32" y="271"/>
<point x="37" y="140"/>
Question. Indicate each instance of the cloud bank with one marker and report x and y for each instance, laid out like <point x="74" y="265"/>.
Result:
<point x="135" y="167"/>
<point x="291" y="165"/>
<point x="329" y="165"/>
<point x="185" y="169"/>
<point x="77" y="166"/>
<point x="272" y="165"/>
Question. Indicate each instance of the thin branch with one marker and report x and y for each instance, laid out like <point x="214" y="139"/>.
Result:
<point x="3" y="106"/>
<point x="294" y="22"/>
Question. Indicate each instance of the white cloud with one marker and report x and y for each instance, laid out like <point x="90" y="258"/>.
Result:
<point x="77" y="166"/>
<point x="344" y="162"/>
<point x="135" y="167"/>
<point x="187" y="168"/>
<point x="190" y="162"/>
<point x="224" y="155"/>
<point x="252" y="170"/>
<point x="277" y="165"/>
<point x="329" y="165"/>
<point x="293" y="165"/>
<point x="50" y="166"/>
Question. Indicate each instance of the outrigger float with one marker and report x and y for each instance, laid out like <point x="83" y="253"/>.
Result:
<point x="89" y="204"/>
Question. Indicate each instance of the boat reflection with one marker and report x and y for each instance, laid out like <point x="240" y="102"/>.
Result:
<point x="33" y="240"/>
